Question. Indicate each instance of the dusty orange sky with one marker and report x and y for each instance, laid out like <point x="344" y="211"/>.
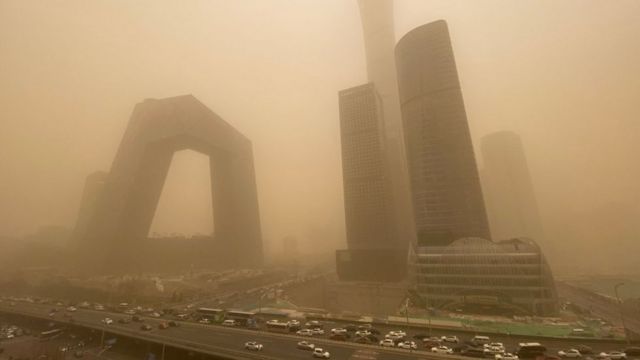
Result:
<point x="565" y="75"/>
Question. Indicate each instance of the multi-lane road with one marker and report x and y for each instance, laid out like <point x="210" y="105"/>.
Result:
<point x="219" y="340"/>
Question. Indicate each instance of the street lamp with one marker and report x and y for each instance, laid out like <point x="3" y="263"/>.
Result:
<point x="624" y="326"/>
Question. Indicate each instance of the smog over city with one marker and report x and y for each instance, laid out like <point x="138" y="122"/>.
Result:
<point x="379" y="179"/>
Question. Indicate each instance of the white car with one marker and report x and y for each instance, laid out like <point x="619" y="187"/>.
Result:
<point x="313" y="323"/>
<point x="394" y="335"/>
<point x="293" y="323"/>
<point x="72" y="308"/>
<point x="272" y="322"/>
<point x="305" y="345"/>
<point x="229" y="323"/>
<point x="317" y="331"/>
<point x="204" y="321"/>
<point x="155" y="314"/>
<point x="450" y="339"/>
<point x="442" y="350"/>
<point x="320" y="353"/>
<point x="305" y="332"/>
<point x="252" y="345"/>
<point x="613" y="355"/>
<point x="338" y="331"/>
<point x="363" y="333"/>
<point x="98" y="307"/>
<point x="506" y="356"/>
<point x="107" y="321"/>
<point x="494" y="348"/>
<point x="571" y="353"/>
<point x="409" y="345"/>
<point x="387" y="343"/>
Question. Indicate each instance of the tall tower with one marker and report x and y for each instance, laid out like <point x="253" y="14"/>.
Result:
<point x="446" y="192"/>
<point x="511" y="200"/>
<point x="378" y="214"/>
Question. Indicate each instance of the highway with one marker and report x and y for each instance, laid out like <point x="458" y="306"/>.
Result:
<point x="218" y="340"/>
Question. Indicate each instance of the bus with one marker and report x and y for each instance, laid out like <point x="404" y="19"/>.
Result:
<point x="277" y="326"/>
<point x="211" y="314"/>
<point x="530" y="350"/>
<point x="243" y="317"/>
<point x="50" y="334"/>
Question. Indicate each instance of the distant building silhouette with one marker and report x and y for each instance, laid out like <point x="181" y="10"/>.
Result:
<point x="509" y="193"/>
<point x="112" y="233"/>
<point x="446" y="192"/>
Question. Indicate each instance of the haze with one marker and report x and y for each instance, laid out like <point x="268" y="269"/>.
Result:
<point x="563" y="75"/>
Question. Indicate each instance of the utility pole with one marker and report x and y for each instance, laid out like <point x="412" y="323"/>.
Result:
<point x="624" y="326"/>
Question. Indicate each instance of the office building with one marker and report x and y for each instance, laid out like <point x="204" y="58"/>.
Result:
<point x="445" y="187"/>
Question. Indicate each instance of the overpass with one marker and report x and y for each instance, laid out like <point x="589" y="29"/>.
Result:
<point x="217" y="341"/>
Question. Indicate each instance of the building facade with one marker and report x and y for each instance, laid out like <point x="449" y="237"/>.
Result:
<point x="372" y="232"/>
<point x="475" y="274"/>
<point x="445" y="186"/>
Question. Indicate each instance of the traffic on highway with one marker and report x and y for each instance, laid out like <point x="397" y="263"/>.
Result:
<point x="247" y="332"/>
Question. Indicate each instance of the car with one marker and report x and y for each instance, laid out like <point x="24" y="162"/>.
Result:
<point x="409" y="345"/>
<point x="317" y="331"/>
<point x="155" y="314"/>
<point x="339" y="331"/>
<point x="351" y="327"/>
<point x="363" y="333"/>
<point x="137" y="318"/>
<point x="107" y="321"/>
<point x="395" y="335"/>
<point x="204" y="321"/>
<point x="387" y="343"/>
<point x="98" y="307"/>
<point x="252" y="345"/>
<point x="586" y="350"/>
<point x="571" y="353"/>
<point x="613" y="355"/>
<point x="72" y="309"/>
<point x="229" y="323"/>
<point x="146" y="327"/>
<point x="631" y="351"/>
<point x="493" y="348"/>
<point x="432" y="341"/>
<point x="480" y="340"/>
<point x="339" y="337"/>
<point x="506" y="356"/>
<point x="124" y="320"/>
<point x="305" y="332"/>
<point x="273" y="322"/>
<point x="442" y="350"/>
<point x="313" y="324"/>
<point x="294" y="323"/>
<point x="363" y="340"/>
<point x="173" y="323"/>
<point x="78" y="354"/>
<point x="320" y="353"/>
<point x="130" y="312"/>
<point x="305" y="345"/>
<point x="450" y="339"/>
<point x="163" y="325"/>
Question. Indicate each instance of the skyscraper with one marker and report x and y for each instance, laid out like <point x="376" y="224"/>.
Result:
<point x="376" y="251"/>
<point x="446" y="192"/>
<point x="378" y="214"/>
<point x="511" y="201"/>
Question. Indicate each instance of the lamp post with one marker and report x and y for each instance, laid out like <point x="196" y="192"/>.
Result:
<point x="624" y="326"/>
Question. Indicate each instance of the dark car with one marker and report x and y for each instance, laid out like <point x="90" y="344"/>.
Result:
<point x="420" y="337"/>
<point x="475" y="352"/>
<point x="632" y="351"/>
<point x="339" y="337"/>
<point x="363" y="340"/>
<point x="137" y="318"/>
<point x="584" y="349"/>
<point x="351" y="328"/>
<point x="146" y="327"/>
<point x="173" y="323"/>
<point x="124" y="320"/>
